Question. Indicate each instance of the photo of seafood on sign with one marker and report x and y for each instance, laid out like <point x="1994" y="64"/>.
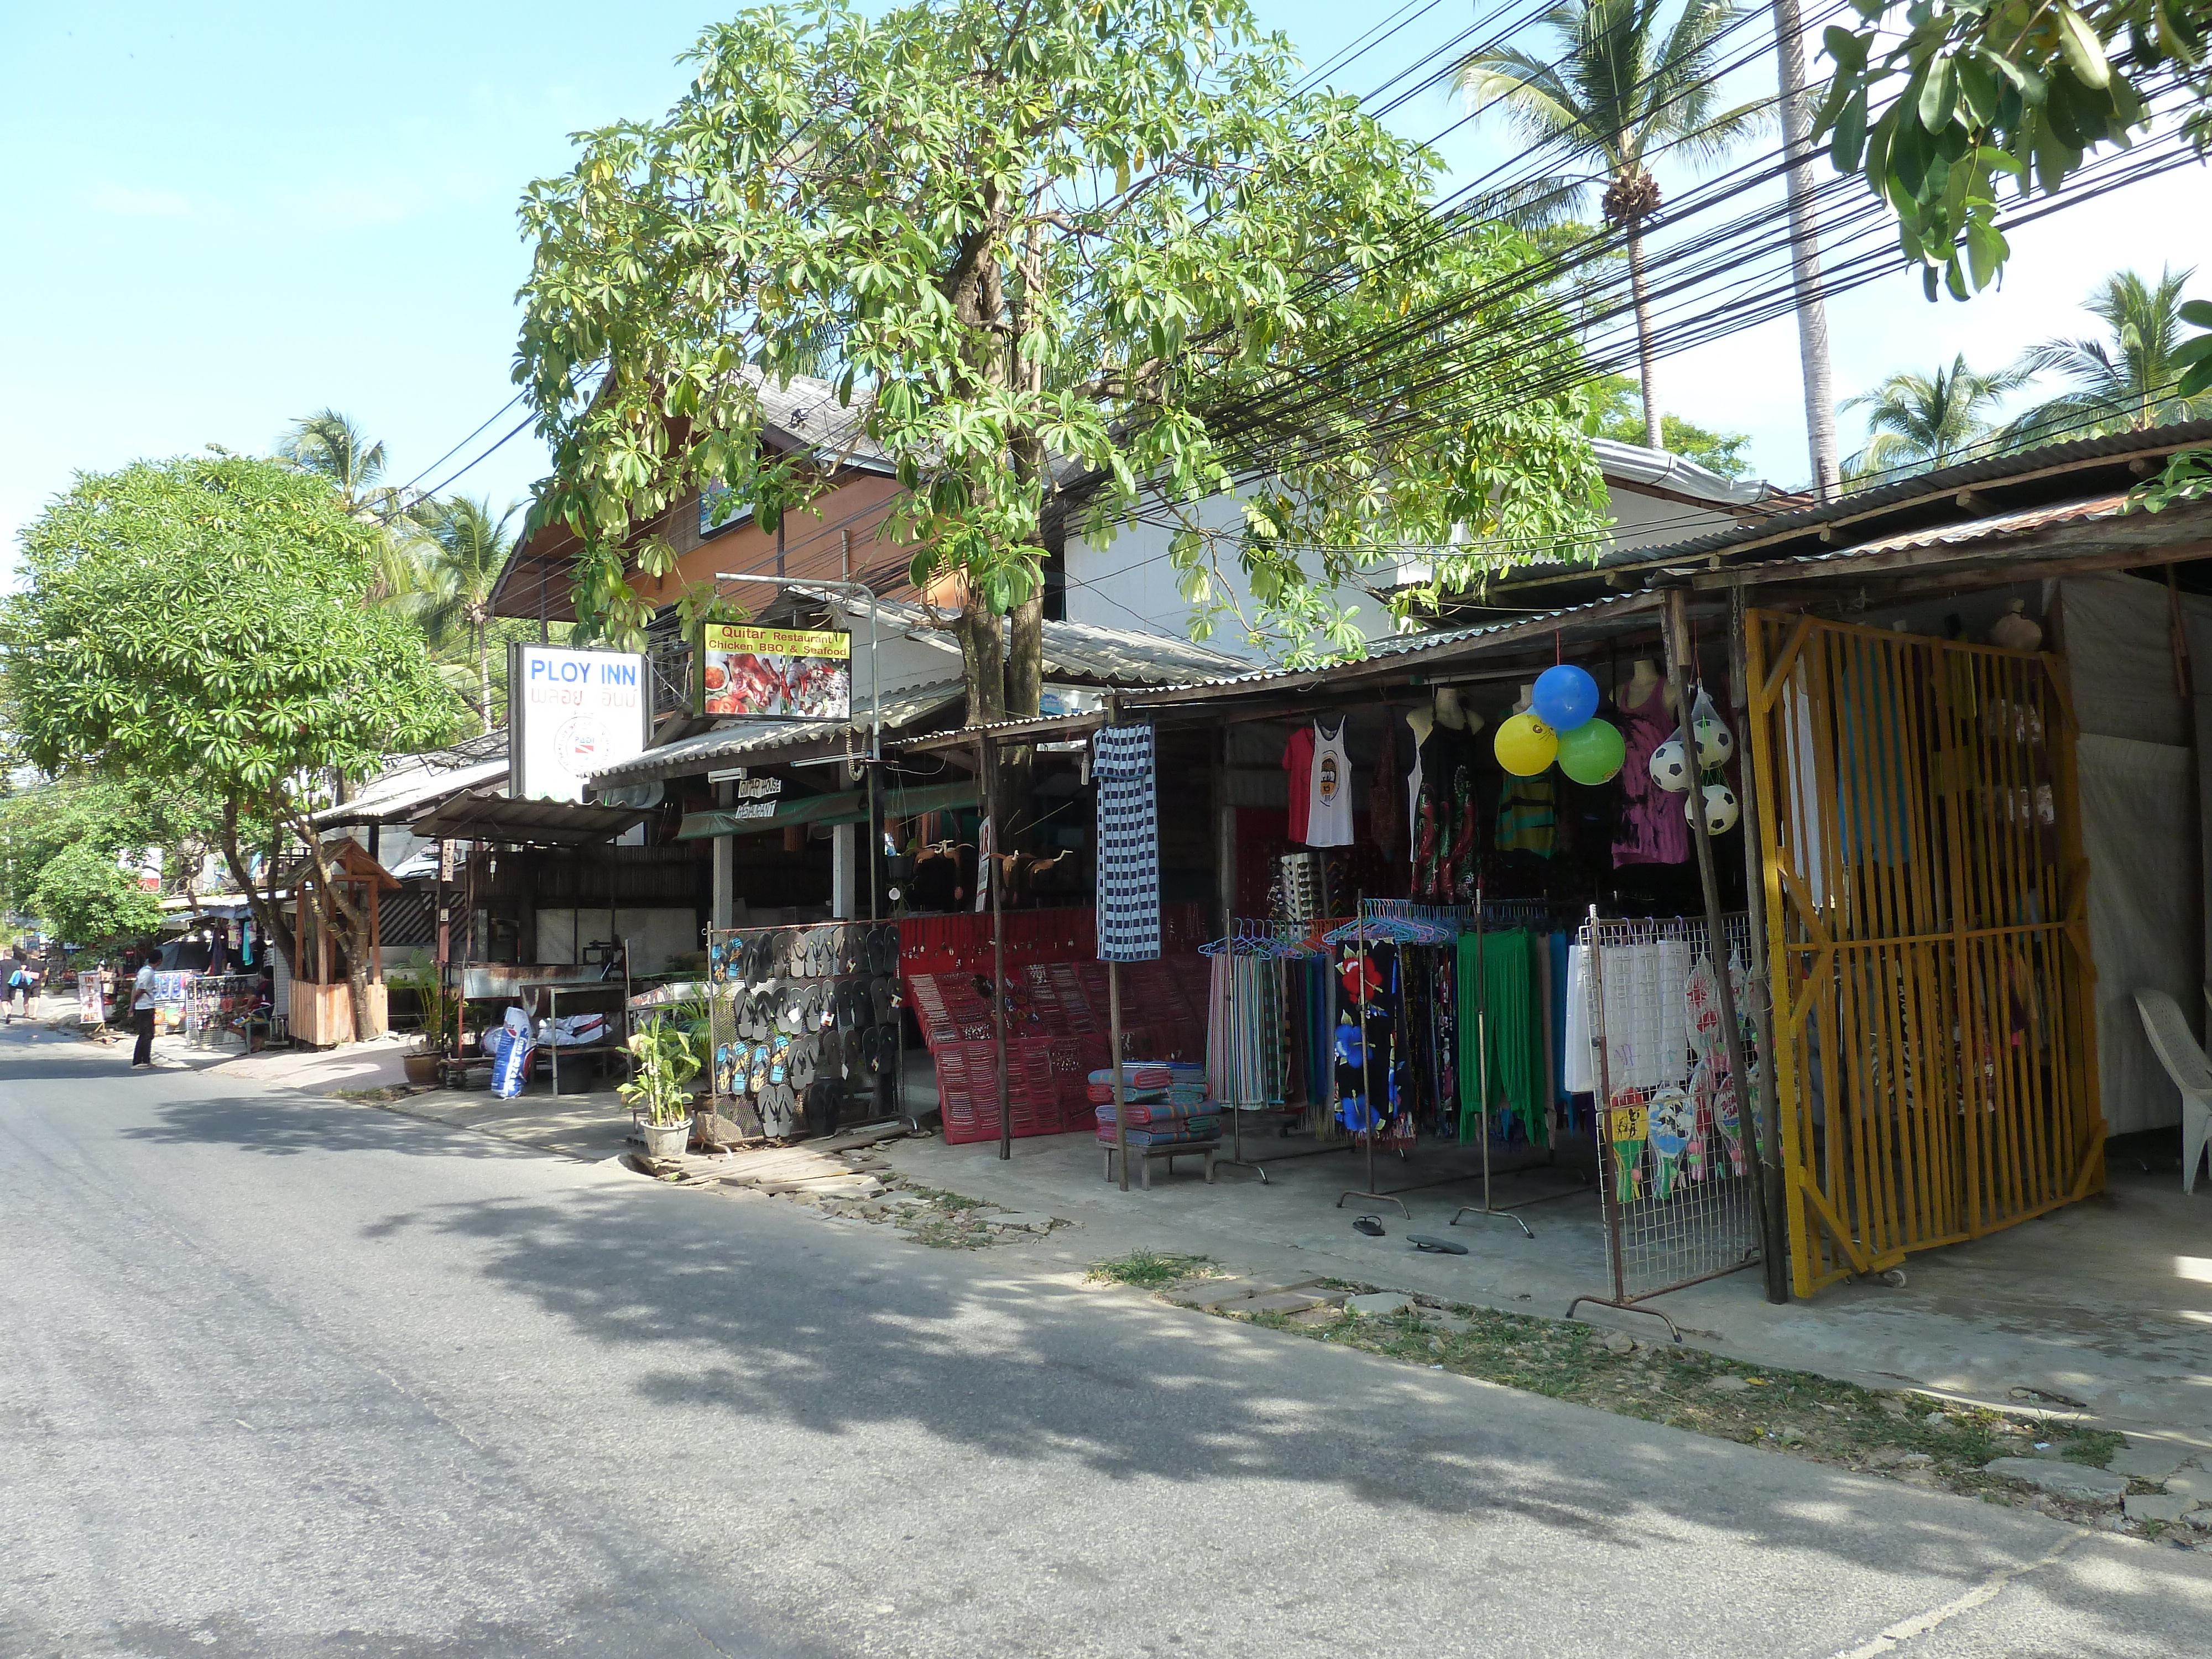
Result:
<point x="775" y="673"/>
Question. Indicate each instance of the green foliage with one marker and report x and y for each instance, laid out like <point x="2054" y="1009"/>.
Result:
<point x="1917" y="422"/>
<point x="1104" y="240"/>
<point x="1618" y="413"/>
<point x="1981" y="90"/>
<point x="667" y="1061"/>
<point x="2187" y="477"/>
<point x="83" y="896"/>
<point x="448" y="564"/>
<point x="2138" y="376"/>
<point x="1621" y="86"/>
<point x="200" y="619"/>
<point x="440" y="1007"/>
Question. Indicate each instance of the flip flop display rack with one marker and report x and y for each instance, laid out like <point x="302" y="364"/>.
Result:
<point x="805" y="1021"/>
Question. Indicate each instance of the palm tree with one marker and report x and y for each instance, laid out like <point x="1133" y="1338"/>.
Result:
<point x="2125" y="383"/>
<point x="1923" y="422"/>
<point x="1621" y="93"/>
<point x="457" y="549"/>
<point x="328" y="444"/>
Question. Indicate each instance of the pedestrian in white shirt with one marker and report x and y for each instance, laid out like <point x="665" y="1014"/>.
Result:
<point x="141" y="1012"/>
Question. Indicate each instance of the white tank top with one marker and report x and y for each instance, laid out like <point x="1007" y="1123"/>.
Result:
<point x="1328" y="791"/>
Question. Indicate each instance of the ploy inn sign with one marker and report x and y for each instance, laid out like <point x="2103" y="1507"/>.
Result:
<point x="572" y="713"/>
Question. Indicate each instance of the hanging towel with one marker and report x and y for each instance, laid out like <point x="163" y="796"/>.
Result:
<point x="1579" y="1067"/>
<point x="1128" y="845"/>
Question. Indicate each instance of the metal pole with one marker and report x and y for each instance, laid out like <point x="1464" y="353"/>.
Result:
<point x="1774" y="1241"/>
<point x="1678" y="667"/>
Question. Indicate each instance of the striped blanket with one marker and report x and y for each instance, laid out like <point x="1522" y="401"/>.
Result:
<point x="1160" y="1112"/>
<point x="1192" y="1132"/>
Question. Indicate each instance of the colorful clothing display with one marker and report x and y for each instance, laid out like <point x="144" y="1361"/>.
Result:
<point x="1298" y="760"/>
<point x="1528" y="815"/>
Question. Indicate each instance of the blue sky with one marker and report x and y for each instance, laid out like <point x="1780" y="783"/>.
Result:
<point x="223" y="217"/>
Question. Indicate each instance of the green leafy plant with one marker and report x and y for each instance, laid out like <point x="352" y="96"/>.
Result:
<point x="2187" y="477"/>
<point x="1981" y="90"/>
<point x="420" y="975"/>
<point x="667" y="1061"/>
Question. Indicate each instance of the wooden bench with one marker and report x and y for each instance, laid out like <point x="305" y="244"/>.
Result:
<point x="1146" y="1155"/>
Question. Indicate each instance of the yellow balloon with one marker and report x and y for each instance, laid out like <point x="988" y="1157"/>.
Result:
<point x="1525" y="746"/>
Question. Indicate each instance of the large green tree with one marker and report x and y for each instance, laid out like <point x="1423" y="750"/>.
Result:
<point x="1939" y="102"/>
<point x="197" y="623"/>
<point x="1622" y="88"/>
<point x="1056" y="253"/>
<point x="65" y="844"/>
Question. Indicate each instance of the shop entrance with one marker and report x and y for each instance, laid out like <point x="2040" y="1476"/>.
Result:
<point x="1934" y="1040"/>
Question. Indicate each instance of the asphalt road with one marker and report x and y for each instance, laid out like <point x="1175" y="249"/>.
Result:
<point x="286" y="1377"/>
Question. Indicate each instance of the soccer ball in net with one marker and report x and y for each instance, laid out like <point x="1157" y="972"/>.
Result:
<point x="1721" y="810"/>
<point x="1670" y="766"/>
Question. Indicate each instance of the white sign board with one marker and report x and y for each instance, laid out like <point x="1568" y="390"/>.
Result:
<point x="575" y="713"/>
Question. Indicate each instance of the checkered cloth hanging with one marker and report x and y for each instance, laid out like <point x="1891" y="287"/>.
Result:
<point x="1128" y="845"/>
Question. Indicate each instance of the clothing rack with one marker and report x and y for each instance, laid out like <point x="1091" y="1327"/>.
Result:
<point x="1259" y="941"/>
<point x="1356" y="930"/>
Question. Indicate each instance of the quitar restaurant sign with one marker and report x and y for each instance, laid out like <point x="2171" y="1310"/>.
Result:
<point x="572" y="713"/>
<point x="775" y="673"/>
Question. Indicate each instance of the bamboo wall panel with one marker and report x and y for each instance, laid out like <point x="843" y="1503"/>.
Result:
<point x="1935" y="1045"/>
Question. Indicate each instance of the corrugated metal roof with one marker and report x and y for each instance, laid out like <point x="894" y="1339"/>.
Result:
<point x="410" y="783"/>
<point x="1119" y="656"/>
<point x="733" y="742"/>
<point x="1991" y="470"/>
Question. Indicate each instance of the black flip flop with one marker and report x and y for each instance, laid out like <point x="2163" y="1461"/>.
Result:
<point x="1371" y="1225"/>
<point x="1438" y="1246"/>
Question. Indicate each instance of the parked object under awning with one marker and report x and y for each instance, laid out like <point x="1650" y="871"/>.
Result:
<point x="848" y="806"/>
<point x="493" y="818"/>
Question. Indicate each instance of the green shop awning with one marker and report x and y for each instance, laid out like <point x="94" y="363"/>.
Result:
<point x="848" y="806"/>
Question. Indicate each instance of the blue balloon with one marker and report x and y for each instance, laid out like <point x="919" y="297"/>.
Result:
<point x="1565" y="697"/>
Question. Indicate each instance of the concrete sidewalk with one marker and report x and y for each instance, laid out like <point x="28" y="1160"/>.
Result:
<point x="2089" y="1305"/>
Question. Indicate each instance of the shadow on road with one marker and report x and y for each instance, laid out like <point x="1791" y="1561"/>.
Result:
<point x="754" y="1314"/>
<point x="280" y="1127"/>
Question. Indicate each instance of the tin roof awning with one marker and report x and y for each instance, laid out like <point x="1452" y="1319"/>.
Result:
<point x="484" y="816"/>
<point x="848" y="806"/>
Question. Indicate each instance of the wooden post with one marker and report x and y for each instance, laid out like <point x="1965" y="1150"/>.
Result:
<point x="1120" y="1089"/>
<point x="988" y="869"/>
<point x="1774" y="1243"/>
<point x="1678" y="672"/>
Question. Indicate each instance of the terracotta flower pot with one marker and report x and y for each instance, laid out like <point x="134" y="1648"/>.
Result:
<point x="419" y="1068"/>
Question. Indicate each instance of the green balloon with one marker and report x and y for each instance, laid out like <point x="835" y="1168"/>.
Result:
<point x="1592" y="752"/>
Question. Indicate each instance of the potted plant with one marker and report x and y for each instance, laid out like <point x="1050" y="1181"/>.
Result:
<point x="433" y="1042"/>
<point x="660" y="1089"/>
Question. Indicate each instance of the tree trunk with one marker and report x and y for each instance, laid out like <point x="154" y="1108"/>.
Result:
<point x="483" y="675"/>
<point x="1652" y="439"/>
<point x="1024" y="693"/>
<point x="982" y="661"/>
<point x="273" y="930"/>
<point x="1805" y="253"/>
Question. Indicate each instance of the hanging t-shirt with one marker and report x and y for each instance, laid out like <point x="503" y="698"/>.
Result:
<point x="1328" y="796"/>
<point x="1384" y="806"/>
<point x="1653" y="827"/>
<point x="1298" y="760"/>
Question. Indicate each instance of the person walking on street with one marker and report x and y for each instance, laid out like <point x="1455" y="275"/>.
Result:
<point x="18" y="988"/>
<point x="142" y="1013"/>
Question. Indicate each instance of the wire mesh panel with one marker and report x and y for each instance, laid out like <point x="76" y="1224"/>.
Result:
<point x="1934" y="1040"/>
<point x="1676" y="1130"/>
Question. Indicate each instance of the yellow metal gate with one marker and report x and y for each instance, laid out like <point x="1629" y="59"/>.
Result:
<point x="1934" y="1038"/>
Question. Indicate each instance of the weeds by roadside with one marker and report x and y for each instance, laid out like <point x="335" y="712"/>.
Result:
<point x="1149" y="1270"/>
<point x="1941" y="1444"/>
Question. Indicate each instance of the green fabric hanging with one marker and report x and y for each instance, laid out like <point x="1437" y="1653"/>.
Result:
<point x="1504" y="988"/>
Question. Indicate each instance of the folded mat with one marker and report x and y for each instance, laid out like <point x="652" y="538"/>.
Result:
<point x="1102" y="1094"/>
<point x="1161" y="1111"/>
<point x="1197" y="1131"/>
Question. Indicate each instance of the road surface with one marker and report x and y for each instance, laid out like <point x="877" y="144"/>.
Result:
<point x="287" y="1377"/>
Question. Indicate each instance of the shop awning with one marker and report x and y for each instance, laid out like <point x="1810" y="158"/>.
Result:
<point x="847" y="806"/>
<point x="493" y="818"/>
